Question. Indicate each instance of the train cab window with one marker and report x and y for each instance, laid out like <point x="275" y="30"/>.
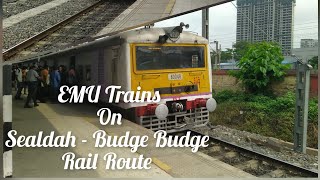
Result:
<point x="169" y="57"/>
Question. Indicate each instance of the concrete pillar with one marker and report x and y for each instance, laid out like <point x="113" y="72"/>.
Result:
<point x="302" y="104"/>
<point x="6" y="108"/>
<point x="205" y="23"/>
<point x="7" y="119"/>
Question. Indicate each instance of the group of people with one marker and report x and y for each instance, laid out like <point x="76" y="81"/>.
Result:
<point x="43" y="83"/>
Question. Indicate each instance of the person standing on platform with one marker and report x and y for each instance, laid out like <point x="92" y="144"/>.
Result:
<point x="63" y="75"/>
<point x="55" y="82"/>
<point x="14" y="77"/>
<point x="24" y="79"/>
<point x="32" y="81"/>
<point x="72" y="77"/>
<point x="18" y="75"/>
<point x="44" y="84"/>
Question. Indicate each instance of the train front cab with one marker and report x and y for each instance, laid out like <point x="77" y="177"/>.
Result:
<point x="181" y="73"/>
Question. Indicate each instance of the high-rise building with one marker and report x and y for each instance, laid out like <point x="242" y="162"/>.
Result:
<point x="266" y="20"/>
<point x="309" y="43"/>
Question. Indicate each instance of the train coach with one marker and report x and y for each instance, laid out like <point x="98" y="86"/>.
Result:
<point x="169" y="60"/>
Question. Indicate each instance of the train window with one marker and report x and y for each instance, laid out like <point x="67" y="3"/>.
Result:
<point x="169" y="57"/>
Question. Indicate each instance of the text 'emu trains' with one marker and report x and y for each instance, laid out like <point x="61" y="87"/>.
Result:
<point x="168" y="60"/>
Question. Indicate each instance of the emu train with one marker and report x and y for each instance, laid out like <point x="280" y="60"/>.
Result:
<point x="169" y="60"/>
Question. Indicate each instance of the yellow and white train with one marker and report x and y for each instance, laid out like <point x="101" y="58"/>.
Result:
<point x="169" y="60"/>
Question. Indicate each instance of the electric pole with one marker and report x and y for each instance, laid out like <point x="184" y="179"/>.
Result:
<point x="216" y="56"/>
<point x="233" y="61"/>
<point x="302" y="104"/>
<point x="219" y="55"/>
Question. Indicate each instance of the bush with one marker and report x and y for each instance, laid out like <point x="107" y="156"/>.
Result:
<point x="260" y="66"/>
<point x="313" y="110"/>
<point x="314" y="62"/>
<point x="265" y="115"/>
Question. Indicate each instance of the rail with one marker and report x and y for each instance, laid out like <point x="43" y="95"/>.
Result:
<point x="256" y="155"/>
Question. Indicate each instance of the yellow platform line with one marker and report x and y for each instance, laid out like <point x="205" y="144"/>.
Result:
<point x="161" y="165"/>
<point x="169" y="8"/>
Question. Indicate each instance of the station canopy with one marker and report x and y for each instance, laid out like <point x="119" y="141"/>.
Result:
<point x="145" y="12"/>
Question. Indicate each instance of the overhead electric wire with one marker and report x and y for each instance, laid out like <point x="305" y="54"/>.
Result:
<point x="230" y="36"/>
<point x="234" y="35"/>
<point x="259" y="28"/>
<point x="294" y="29"/>
<point x="251" y="20"/>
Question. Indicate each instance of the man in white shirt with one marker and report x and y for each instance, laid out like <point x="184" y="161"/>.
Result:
<point x="32" y="80"/>
<point x="18" y="73"/>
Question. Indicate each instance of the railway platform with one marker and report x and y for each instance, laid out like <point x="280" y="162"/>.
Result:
<point x="82" y="121"/>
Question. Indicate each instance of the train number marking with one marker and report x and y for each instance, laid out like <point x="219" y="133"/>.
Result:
<point x="175" y="76"/>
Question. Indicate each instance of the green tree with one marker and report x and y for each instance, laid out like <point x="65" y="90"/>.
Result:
<point x="314" y="62"/>
<point x="213" y="54"/>
<point x="226" y="55"/>
<point x="240" y="49"/>
<point x="260" y="66"/>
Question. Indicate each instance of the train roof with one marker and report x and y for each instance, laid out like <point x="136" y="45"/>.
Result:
<point x="151" y="35"/>
<point x="142" y="35"/>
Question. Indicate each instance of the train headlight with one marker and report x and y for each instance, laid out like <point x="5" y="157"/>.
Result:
<point x="211" y="104"/>
<point x="162" y="112"/>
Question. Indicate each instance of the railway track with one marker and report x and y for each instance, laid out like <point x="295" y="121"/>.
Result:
<point x="253" y="162"/>
<point x="73" y="30"/>
<point x="13" y="7"/>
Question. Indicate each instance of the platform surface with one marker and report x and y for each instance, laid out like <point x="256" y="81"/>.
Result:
<point x="82" y="120"/>
<point x="46" y="162"/>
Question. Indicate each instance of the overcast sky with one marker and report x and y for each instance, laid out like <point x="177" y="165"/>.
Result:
<point x="223" y="22"/>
